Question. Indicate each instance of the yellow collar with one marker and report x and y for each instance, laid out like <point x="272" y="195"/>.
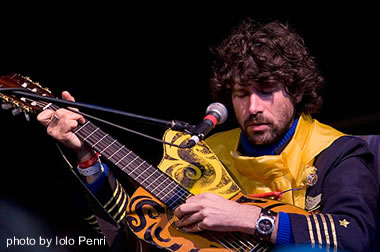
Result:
<point x="287" y="170"/>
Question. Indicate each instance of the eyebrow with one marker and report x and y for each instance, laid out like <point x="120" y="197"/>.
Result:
<point x="239" y="88"/>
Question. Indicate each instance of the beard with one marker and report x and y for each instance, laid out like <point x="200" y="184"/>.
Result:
<point x="273" y="131"/>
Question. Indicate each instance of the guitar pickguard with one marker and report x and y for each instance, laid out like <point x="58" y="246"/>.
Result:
<point x="197" y="169"/>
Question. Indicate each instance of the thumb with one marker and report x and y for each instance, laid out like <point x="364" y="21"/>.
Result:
<point x="67" y="96"/>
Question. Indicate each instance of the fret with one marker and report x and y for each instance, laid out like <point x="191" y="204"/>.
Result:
<point x="83" y="126"/>
<point x="151" y="178"/>
<point x="176" y="199"/>
<point x="143" y="176"/>
<point x="124" y="156"/>
<point x="175" y="194"/>
<point x="107" y="146"/>
<point x="47" y="106"/>
<point x="92" y="139"/>
<point x="125" y="166"/>
<point x="171" y="195"/>
<point x="116" y="152"/>
<point x="92" y="146"/>
<point x="253" y="246"/>
<point x="135" y="169"/>
<point x="154" y="181"/>
<point x="164" y="190"/>
<point x="142" y="182"/>
<point x="90" y="134"/>
<point x="104" y="144"/>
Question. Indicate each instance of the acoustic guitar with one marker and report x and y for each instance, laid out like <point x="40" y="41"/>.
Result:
<point x="182" y="173"/>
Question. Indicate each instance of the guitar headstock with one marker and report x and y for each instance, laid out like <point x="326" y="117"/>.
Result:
<point x="20" y="104"/>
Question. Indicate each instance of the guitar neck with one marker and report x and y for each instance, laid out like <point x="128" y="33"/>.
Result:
<point x="158" y="183"/>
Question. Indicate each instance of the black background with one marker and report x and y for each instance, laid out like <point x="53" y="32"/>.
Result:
<point x="154" y="60"/>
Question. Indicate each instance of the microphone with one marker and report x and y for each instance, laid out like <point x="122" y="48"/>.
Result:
<point x="216" y="113"/>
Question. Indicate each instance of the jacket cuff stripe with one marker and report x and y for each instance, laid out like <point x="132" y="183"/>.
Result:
<point x="121" y="217"/>
<point x="89" y="217"/>
<point x="326" y="231"/>
<point x="122" y="206"/>
<point x="311" y="234"/>
<point x="317" y="227"/>
<point x="117" y="201"/>
<point x="333" y="231"/>
<point x="114" y="194"/>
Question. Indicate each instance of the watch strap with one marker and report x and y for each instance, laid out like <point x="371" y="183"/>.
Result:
<point x="268" y="217"/>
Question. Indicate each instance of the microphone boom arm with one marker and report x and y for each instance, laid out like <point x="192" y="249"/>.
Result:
<point x="173" y="124"/>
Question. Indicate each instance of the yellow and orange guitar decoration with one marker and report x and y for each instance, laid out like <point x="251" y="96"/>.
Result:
<point x="183" y="172"/>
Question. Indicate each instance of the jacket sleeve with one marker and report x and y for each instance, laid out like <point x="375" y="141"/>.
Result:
<point x="104" y="209"/>
<point x="345" y="216"/>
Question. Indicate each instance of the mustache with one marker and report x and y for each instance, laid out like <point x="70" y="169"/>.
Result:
<point x="257" y="119"/>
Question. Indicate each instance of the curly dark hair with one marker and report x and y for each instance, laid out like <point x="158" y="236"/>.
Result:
<point x="266" y="55"/>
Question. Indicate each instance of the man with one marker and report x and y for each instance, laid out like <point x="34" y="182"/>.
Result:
<point x="267" y="75"/>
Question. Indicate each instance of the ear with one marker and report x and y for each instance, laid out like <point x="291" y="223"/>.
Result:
<point x="299" y="98"/>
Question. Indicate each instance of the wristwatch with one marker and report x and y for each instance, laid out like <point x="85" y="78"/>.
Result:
<point x="265" y="224"/>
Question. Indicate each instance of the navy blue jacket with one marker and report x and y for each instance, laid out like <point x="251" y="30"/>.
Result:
<point x="345" y="216"/>
<point x="343" y="202"/>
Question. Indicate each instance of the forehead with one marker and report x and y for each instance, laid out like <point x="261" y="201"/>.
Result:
<point x="257" y="86"/>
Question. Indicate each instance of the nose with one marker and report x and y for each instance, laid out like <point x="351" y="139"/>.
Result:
<point x="256" y="104"/>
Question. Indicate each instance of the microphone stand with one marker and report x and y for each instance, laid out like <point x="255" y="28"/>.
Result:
<point x="173" y="124"/>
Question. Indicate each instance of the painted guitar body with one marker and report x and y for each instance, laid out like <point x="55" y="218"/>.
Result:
<point x="198" y="170"/>
<point x="151" y="221"/>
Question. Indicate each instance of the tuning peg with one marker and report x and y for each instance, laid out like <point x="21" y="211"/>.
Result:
<point x="47" y="90"/>
<point x="6" y="106"/>
<point x="27" y="116"/>
<point x="16" y="111"/>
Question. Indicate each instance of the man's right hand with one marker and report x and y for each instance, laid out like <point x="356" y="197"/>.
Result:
<point x="61" y="124"/>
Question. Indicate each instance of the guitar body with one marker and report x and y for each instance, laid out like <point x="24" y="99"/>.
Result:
<point x="152" y="222"/>
<point x="198" y="170"/>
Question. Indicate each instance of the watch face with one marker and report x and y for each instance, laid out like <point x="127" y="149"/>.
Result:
<point x="265" y="225"/>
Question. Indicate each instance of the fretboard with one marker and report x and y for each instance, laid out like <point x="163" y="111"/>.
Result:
<point x="158" y="183"/>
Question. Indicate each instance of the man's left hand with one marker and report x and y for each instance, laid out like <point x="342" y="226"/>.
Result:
<point x="209" y="211"/>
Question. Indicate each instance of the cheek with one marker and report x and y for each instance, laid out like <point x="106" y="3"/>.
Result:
<point x="285" y="113"/>
<point x="240" y="108"/>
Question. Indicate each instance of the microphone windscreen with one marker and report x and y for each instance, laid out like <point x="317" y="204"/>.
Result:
<point x="219" y="109"/>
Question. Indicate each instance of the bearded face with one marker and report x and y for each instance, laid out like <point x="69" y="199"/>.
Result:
<point x="264" y="115"/>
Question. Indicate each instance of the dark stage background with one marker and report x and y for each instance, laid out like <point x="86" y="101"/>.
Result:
<point x="154" y="60"/>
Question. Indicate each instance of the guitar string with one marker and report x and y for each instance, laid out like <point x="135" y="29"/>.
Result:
<point x="234" y="243"/>
<point x="133" y="161"/>
<point x="229" y="238"/>
<point x="93" y="133"/>
<point x="142" y="168"/>
<point x="166" y="182"/>
<point x="120" y="156"/>
<point x="100" y="135"/>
